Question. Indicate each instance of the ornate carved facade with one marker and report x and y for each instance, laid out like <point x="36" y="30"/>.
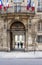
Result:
<point x="21" y="30"/>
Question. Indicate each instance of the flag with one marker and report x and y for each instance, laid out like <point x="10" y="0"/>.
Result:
<point x="29" y="4"/>
<point x="6" y="5"/>
<point x="33" y="6"/>
<point x="0" y="4"/>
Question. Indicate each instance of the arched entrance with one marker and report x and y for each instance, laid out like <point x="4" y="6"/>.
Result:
<point x="17" y="36"/>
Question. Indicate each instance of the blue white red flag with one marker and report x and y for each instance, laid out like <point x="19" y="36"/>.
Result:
<point x="0" y="4"/>
<point x="33" y="6"/>
<point x="6" y="5"/>
<point x="28" y="4"/>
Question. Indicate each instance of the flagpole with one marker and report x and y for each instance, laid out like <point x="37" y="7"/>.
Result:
<point x="30" y="2"/>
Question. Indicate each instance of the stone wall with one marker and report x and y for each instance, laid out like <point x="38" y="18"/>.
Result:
<point x="5" y="35"/>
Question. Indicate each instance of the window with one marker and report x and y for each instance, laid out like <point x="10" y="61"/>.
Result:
<point x="39" y="39"/>
<point x="39" y="6"/>
<point x="21" y="38"/>
<point x="40" y="26"/>
<point x="16" y="37"/>
<point x="17" y="8"/>
<point x="18" y="1"/>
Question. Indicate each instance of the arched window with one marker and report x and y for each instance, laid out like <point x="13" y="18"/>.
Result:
<point x="40" y="25"/>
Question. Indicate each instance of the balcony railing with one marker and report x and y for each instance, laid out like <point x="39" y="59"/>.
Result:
<point x="17" y="9"/>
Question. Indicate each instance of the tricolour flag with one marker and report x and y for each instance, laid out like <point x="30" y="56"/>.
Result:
<point x="6" y="5"/>
<point x="0" y="4"/>
<point x="32" y="6"/>
<point x="28" y="4"/>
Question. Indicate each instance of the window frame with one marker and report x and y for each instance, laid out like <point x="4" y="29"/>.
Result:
<point x="40" y="26"/>
<point x="39" y="8"/>
<point x="39" y="38"/>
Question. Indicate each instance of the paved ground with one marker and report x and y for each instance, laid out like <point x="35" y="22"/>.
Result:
<point x="20" y="61"/>
<point x="21" y="54"/>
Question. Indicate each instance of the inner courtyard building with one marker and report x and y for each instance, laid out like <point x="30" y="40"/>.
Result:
<point x="21" y="29"/>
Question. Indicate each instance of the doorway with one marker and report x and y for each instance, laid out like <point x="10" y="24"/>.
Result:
<point x="17" y="36"/>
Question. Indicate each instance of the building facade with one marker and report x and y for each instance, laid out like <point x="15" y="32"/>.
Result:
<point x="21" y="28"/>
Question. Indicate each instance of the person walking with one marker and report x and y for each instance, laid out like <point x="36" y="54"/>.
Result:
<point x="18" y="44"/>
<point x="21" y="45"/>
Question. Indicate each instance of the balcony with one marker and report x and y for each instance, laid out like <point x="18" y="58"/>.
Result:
<point x="17" y="9"/>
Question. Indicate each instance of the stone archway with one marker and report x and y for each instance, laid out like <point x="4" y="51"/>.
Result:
<point x="17" y="36"/>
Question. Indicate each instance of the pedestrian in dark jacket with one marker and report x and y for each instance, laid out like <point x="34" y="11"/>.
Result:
<point x="21" y="45"/>
<point x="18" y="44"/>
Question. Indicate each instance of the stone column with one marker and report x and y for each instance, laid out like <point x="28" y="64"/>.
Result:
<point x="26" y="46"/>
<point x="8" y="40"/>
<point x="26" y="37"/>
<point x="13" y="43"/>
<point x="1" y="34"/>
<point x="6" y="36"/>
<point x="5" y="47"/>
<point x="29" y="34"/>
